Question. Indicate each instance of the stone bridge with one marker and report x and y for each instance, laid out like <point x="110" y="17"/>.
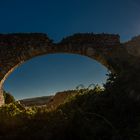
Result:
<point x="16" y="49"/>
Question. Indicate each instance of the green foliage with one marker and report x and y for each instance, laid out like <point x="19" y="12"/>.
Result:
<point x="93" y="113"/>
<point x="8" y="98"/>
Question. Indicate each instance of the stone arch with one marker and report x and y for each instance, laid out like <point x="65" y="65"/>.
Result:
<point x="21" y="76"/>
<point x="18" y="48"/>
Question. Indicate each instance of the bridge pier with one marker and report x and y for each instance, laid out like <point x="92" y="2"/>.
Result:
<point x="1" y="97"/>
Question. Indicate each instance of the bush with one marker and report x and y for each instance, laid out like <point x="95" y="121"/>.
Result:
<point x="95" y="113"/>
<point x="8" y="98"/>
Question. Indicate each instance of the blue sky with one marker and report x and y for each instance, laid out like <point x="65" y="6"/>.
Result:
<point x="60" y="18"/>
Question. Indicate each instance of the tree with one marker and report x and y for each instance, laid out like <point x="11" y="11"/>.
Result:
<point x="8" y="98"/>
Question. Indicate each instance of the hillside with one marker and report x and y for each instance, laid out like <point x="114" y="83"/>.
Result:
<point x="49" y="101"/>
<point x="111" y="113"/>
<point x="37" y="101"/>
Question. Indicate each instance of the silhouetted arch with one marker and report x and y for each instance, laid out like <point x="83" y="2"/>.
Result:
<point x="15" y="49"/>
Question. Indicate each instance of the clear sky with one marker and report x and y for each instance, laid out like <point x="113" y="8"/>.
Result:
<point x="60" y="18"/>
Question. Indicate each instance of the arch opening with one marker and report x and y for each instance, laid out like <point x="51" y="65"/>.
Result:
<point x="48" y="74"/>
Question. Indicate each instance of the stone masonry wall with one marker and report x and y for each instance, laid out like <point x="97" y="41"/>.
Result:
<point x="16" y="49"/>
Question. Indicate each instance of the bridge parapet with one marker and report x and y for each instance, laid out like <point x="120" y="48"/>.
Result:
<point x="8" y="41"/>
<point x="95" y="39"/>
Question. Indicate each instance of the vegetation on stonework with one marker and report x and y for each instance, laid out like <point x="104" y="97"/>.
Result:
<point x="8" y="98"/>
<point x="94" y="113"/>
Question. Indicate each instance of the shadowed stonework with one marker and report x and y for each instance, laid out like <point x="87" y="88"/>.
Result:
<point x="16" y="49"/>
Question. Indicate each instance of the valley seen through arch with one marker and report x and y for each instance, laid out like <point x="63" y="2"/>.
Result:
<point x="45" y="75"/>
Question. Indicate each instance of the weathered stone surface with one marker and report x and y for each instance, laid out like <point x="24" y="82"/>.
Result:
<point x="133" y="46"/>
<point x="15" y="49"/>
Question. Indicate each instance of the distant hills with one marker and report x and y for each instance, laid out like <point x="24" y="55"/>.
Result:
<point x="49" y="101"/>
<point x="37" y="101"/>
